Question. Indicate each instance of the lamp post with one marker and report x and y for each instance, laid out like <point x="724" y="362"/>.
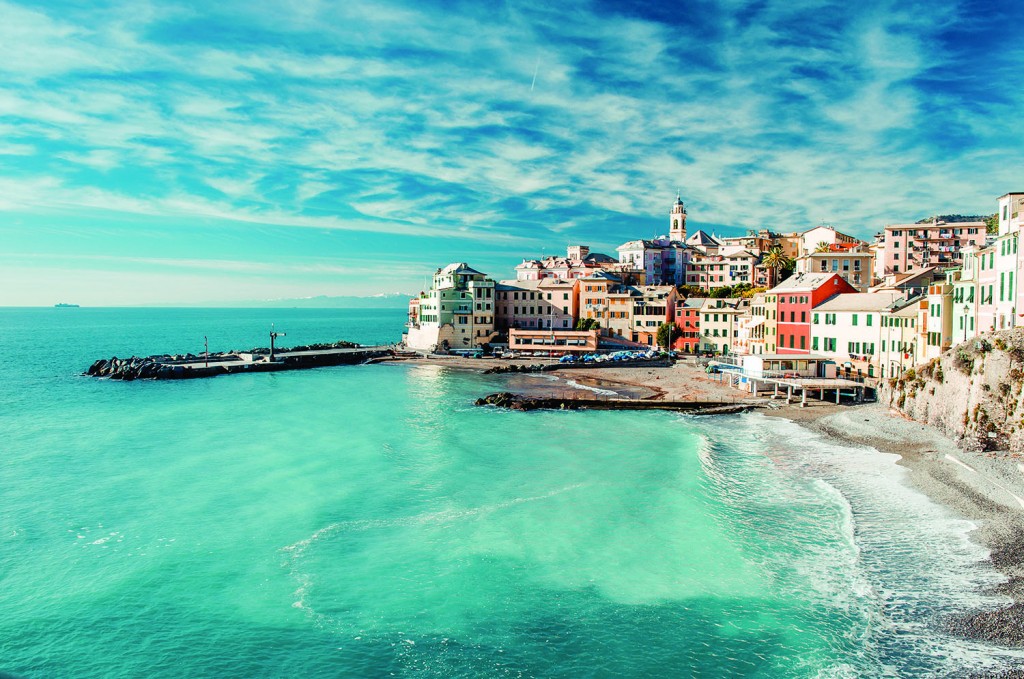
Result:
<point x="967" y="310"/>
<point x="274" y="335"/>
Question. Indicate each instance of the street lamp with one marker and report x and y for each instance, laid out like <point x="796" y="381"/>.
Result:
<point x="273" y="336"/>
<point x="967" y="310"/>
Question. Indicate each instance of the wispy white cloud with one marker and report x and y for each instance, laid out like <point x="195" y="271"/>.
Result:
<point x="402" y="119"/>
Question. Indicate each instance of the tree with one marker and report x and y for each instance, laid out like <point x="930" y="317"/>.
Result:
<point x="992" y="223"/>
<point x="687" y="291"/>
<point x="666" y="333"/>
<point x="777" y="261"/>
<point x="822" y="247"/>
<point x="587" y="324"/>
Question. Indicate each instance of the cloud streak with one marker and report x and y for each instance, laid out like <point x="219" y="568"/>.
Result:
<point x="468" y="129"/>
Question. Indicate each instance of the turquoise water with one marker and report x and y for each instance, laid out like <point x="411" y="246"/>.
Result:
<point x="369" y="521"/>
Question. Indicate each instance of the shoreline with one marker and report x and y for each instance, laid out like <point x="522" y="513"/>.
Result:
<point x="985" y="488"/>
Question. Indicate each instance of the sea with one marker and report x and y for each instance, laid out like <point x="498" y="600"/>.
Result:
<point x="370" y="521"/>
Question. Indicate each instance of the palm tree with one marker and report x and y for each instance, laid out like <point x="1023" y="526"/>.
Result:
<point x="821" y="247"/>
<point x="775" y="260"/>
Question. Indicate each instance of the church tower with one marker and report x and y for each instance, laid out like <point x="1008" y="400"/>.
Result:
<point x="677" y="221"/>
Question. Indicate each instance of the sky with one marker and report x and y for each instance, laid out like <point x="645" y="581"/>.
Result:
<point x="183" y="152"/>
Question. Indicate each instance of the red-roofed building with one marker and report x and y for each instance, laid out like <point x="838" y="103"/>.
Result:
<point x="793" y="299"/>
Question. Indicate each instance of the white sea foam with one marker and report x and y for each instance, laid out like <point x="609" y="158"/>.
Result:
<point x="597" y="390"/>
<point x="889" y="554"/>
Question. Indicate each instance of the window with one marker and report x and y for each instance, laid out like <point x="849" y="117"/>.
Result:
<point x="815" y="319"/>
<point x="867" y="321"/>
<point x="814" y="344"/>
<point x="854" y="322"/>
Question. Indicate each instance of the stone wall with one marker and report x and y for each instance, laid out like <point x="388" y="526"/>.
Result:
<point x="972" y="393"/>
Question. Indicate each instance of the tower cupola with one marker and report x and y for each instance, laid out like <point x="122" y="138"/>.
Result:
<point x="677" y="220"/>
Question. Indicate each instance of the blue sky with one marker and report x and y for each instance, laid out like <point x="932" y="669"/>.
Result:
<point x="184" y="152"/>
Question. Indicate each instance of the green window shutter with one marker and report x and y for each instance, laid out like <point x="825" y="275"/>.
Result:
<point x="869" y="320"/>
<point x="814" y="343"/>
<point x="855" y="319"/>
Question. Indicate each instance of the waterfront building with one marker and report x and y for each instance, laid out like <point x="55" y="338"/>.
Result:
<point x="594" y="294"/>
<point x="557" y="341"/>
<point x="456" y="313"/>
<point x="756" y="328"/>
<point x="854" y="262"/>
<point x="797" y="296"/>
<point x="933" y="243"/>
<point x="653" y="306"/>
<point x="848" y="329"/>
<point x="939" y="321"/>
<point x="718" y="324"/>
<point x="544" y="303"/>
<point x="1010" y="214"/>
<point x="965" y="298"/>
<point x="688" y="323"/>
<point x="745" y="326"/>
<point x="899" y="335"/>
<point x="988" y="275"/>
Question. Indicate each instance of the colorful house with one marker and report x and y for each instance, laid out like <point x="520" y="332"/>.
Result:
<point x="796" y="298"/>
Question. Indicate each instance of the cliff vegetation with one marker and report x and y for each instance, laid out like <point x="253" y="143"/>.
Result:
<point x="972" y="393"/>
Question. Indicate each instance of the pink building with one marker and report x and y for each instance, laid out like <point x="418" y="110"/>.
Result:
<point x="937" y="243"/>
<point x="536" y="304"/>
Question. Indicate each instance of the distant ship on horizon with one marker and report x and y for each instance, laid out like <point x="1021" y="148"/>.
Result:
<point x="65" y="305"/>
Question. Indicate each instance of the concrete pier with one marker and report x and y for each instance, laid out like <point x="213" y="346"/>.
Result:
<point x="192" y="367"/>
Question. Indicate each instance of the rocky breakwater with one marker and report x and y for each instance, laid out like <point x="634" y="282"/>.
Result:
<point x="515" y="368"/>
<point x="973" y="393"/>
<point x="135" y="368"/>
<point x="522" y="402"/>
<point x="188" y="366"/>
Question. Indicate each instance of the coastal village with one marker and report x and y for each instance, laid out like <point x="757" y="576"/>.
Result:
<point x="815" y="304"/>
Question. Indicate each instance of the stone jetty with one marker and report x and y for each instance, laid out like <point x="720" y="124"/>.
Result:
<point x="191" y="366"/>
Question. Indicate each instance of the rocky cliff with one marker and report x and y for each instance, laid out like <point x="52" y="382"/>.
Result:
<point x="972" y="393"/>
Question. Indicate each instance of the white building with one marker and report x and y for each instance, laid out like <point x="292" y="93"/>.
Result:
<point x="812" y="238"/>
<point x="848" y="330"/>
<point x="456" y="313"/>
<point x="719" y="324"/>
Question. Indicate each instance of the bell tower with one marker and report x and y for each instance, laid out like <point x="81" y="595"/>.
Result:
<point x="677" y="221"/>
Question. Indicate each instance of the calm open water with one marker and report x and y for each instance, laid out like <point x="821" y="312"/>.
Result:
<point x="369" y="521"/>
